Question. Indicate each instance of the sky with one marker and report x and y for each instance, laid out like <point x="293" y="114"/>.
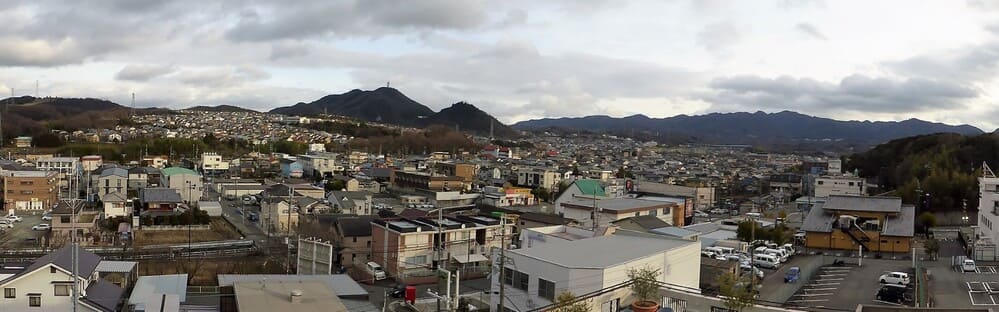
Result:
<point x="520" y="60"/>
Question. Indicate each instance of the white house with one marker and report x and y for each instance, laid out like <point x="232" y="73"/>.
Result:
<point x="213" y="162"/>
<point x="839" y="185"/>
<point x="533" y="277"/>
<point x="47" y="285"/>
<point x="115" y="205"/>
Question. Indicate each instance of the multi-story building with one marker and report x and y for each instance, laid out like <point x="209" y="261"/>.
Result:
<point x="534" y="276"/>
<point x="110" y="180"/>
<point x="426" y="181"/>
<point x="213" y="163"/>
<point x="30" y="190"/>
<point x="608" y="210"/>
<point x="187" y="182"/>
<point x="67" y="216"/>
<point x="988" y="217"/>
<point x="47" y="284"/>
<point x="467" y="172"/>
<point x="839" y="185"/>
<point x="66" y="167"/>
<point x="352" y="237"/>
<point x="510" y="196"/>
<point x="702" y="197"/>
<point x="115" y="205"/>
<point x="319" y="165"/>
<point x="91" y="162"/>
<point x="879" y="224"/>
<point x="156" y="161"/>
<point x="22" y="142"/>
<point x="405" y="247"/>
<point x="355" y="203"/>
<point x="539" y="177"/>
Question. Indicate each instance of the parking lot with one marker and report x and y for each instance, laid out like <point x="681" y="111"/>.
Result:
<point x="820" y="290"/>
<point x="846" y="286"/>
<point x="21" y="236"/>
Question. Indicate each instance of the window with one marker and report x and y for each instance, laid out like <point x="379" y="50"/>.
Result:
<point x="64" y="219"/>
<point x="546" y="289"/>
<point x="819" y="182"/>
<point x="654" y="212"/>
<point x="638" y="213"/>
<point x="52" y="269"/>
<point x="415" y="260"/>
<point x="520" y="280"/>
<point x="9" y="292"/>
<point x="508" y="276"/>
<point x="62" y="290"/>
<point x="612" y="305"/>
<point x="34" y="300"/>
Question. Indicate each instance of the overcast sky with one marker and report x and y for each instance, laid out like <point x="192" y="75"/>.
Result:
<point x="877" y="60"/>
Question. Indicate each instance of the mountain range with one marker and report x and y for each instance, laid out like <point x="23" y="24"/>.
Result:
<point x="220" y="108"/>
<point x="753" y="128"/>
<point x="388" y="105"/>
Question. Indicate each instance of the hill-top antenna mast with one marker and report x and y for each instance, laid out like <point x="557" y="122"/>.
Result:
<point x="36" y="88"/>
<point x="131" y="113"/>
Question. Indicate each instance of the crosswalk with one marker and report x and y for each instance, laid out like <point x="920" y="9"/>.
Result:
<point x="821" y="287"/>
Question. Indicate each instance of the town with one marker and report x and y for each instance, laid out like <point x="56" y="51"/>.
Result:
<point x="523" y="225"/>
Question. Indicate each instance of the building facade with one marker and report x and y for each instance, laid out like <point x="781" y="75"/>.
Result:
<point x="30" y="190"/>
<point x="839" y="185"/>
<point x="878" y="224"/>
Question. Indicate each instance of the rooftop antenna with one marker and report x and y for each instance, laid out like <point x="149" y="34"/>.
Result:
<point x="36" y="88"/>
<point x="132" y="112"/>
<point x="388" y="84"/>
<point x="490" y="130"/>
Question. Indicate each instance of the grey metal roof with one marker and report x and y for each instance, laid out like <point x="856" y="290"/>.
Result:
<point x="674" y="231"/>
<point x="146" y="286"/>
<point x="818" y="220"/>
<point x="863" y="203"/>
<point x="106" y="266"/>
<point x="646" y="222"/>
<point x="617" y="204"/>
<point x="114" y="171"/>
<point x="63" y="258"/>
<point x="601" y="252"/>
<point x="903" y="224"/>
<point x="104" y="294"/>
<point x="113" y="197"/>
<point x="355" y="227"/>
<point x="341" y="284"/>
<point x="703" y="228"/>
<point x="159" y="195"/>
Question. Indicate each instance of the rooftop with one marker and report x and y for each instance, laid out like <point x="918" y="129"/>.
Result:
<point x="619" y="204"/>
<point x="276" y="296"/>
<point x="341" y="284"/>
<point x="617" y="249"/>
<point x="863" y="203"/>
<point x="177" y="170"/>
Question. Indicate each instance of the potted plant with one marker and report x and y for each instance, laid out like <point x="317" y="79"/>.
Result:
<point x="645" y="286"/>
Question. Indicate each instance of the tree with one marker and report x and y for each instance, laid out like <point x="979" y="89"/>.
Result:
<point x="48" y="139"/>
<point x="335" y="185"/>
<point x="782" y="215"/>
<point x="927" y="220"/>
<point x="567" y="302"/>
<point x="542" y="194"/>
<point x="736" y="294"/>
<point x="624" y="173"/>
<point x="644" y="283"/>
<point x="932" y="247"/>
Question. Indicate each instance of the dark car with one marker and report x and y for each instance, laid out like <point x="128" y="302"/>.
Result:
<point x="398" y="292"/>
<point x="892" y="294"/>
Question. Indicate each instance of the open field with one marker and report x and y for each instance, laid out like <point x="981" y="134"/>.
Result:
<point x="221" y="230"/>
<point x="203" y="272"/>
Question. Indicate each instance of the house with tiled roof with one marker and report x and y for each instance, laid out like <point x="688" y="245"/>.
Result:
<point x="47" y="284"/>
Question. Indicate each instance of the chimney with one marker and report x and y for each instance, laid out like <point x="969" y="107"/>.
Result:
<point x="296" y="296"/>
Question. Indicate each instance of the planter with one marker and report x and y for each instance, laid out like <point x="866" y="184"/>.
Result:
<point x="645" y="306"/>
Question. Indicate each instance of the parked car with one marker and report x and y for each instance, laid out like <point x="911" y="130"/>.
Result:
<point x="398" y="292"/>
<point x="792" y="275"/>
<point x="748" y="268"/>
<point x="6" y="223"/>
<point x="701" y="214"/>
<point x="968" y="265"/>
<point x="899" y="278"/>
<point x="41" y="227"/>
<point x="15" y="218"/>
<point x="47" y="217"/>
<point x="718" y="211"/>
<point x="891" y="294"/>
<point x="376" y="271"/>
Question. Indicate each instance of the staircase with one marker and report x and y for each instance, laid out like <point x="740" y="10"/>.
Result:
<point x="858" y="235"/>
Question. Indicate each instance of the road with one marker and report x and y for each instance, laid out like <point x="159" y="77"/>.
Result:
<point x="236" y="213"/>
<point x="376" y="293"/>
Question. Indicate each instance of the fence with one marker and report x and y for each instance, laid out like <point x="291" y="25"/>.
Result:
<point x="200" y="227"/>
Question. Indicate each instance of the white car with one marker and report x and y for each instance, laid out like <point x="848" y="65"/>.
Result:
<point x="4" y="223"/>
<point x="894" y="278"/>
<point x="968" y="265"/>
<point x="46" y="217"/>
<point x="41" y="227"/>
<point x="15" y="218"/>
<point x="701" y="214"/>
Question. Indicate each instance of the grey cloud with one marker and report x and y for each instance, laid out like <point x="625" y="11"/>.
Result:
<point x="810" y="30"/>
<point x="349" y="18"/>
<point x="221" y="77"/>
<point x="717" y="37"/>
<point x="856" y="93"/>
<point x="26" y="52"/>
<point x="288" y="50"/>
<point x="967" y="65"/>
<point x="143" y="72"/>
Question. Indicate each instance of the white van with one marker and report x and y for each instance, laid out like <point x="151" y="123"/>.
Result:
<point x="789" y="248"/>
<point x="766" y="261"/>
<point x="376" y="271"/>
<point x="754" y="215"/>
<point x="780" y="253"/>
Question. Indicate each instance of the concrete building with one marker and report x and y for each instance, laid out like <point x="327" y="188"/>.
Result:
<point x="425" y="181"/>
<point x="156" y="161"/>
<point x="539" y="177"/>
<point x="291" y="168"/>
<point x="703" y="197"/>
<point x="405" y="247"/>
<point x="212" y="163"/>
<point x="879" y="224"/>
<point x="582" y="210"/>
<point x="25" y="191"/>
<point x="535" y="276"/>
<point x="91" y="162"/>
<point x="110" y="180"/>
<point x="46" y="285"/>
<point x="839" y="185"/>
<point x="185" y="181"/>
<point x="268" y="296"/>
<point x="319" y="165"/>
<point x="467" y="172"/>
<point x="988" y="217"/>
<point x="66" y="167"/>
<point x="22" y="142"/>
<point x="506" y="197"/>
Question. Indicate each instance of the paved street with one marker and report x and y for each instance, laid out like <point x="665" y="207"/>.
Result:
<point x="377" y="291"/>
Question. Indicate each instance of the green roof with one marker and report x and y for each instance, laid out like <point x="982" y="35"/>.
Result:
<point x="177" y="170"/>
<point x="590" y="187"/>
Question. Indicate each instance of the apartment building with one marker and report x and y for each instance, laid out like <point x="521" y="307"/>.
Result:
<point x="533" y="277"/>
<point x="30" y="190"/>
<point x="405" y="247"/>
<point x="539" y="177"/>
<point x="110" y="180"/>
<point x="839" y="185"/>
<point x="91" y="162"/>
<point x="156" y="161"/>
<point x="212" y="162"/>
<point x="879" y="224"/>
<point x="319" y="165"/>
<point x="187" y="182"/>
<point x="426" y="181"/>
<point x="46" y="285"/>
<point x="66" y="167"/>
<point x="467" y="172"/>
<point x="988" y="217"/>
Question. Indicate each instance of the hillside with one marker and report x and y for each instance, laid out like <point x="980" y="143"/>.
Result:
<point x="386" y="105"/>
<point x="221" y="108"/>
<point x="944" y="165"/>
<point x="755" y="128"/>
<point x="28" y="115"/>
<point x="469" y="118"/>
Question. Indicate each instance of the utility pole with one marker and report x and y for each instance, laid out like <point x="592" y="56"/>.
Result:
<point x="502" y="261"/>
<point x="438" y="250"/>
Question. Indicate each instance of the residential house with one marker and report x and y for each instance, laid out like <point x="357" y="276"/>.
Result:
<point x="22" y="142"/>
<point x="356" y="203"/>
<point x="703" y="197"/>
<point x="187" y="182"/>
<point x="142" y="177"/>
<point x="534" y="276"/>
<point x="879" y="224"/>
<point x="539" y="177"/>
<point x="70" y="215"/>
<point x="91" y="162"/>
<point x="405" y="247"/>
<point x="467" y="172"/>
<point x="111" y="180"/>
<point x="47" y="285"/>
<point x="159" y="200"/>
<point x="609" y="210"/>
<point x="509" y="196"/>
<point x="319" y="165"/>
<point x="120" y="273"/>
<point x="352" y="238"/>
<point x="25" y="191"/>
<point x="212" y="163"/>
<point x="156" y="161"/>
<point x="116" y="205"/>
